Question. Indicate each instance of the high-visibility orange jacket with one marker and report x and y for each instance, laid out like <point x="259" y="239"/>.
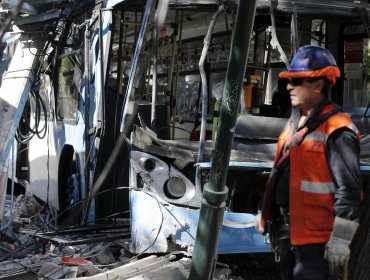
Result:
<point x="312" y="187"/>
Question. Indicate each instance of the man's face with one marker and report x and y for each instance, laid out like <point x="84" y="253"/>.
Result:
<point x="305" y="93"/>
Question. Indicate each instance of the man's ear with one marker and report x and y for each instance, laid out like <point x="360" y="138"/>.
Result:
<point x="319" y="85"/>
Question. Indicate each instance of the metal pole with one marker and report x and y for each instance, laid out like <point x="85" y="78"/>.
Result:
<point x="140" y="41"/>
<point x="177" y="76"/>
<point x="102" y="74"/>
<point x="119" y="70"/>
<point x="173" y="53"/>
<point x="87" y="111"/>
<point x="215" y="193"/>
<point x="266" y="63"/>
<point x="155" y="68"/>
<point x="294" y="30"/>
<point x="169" y="96"/>
<point x="275" y="38"/>
<point x="203" y="123"/>
<point x="159" y="18"/>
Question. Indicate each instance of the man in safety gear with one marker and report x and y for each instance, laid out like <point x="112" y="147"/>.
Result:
<point x="312" y="197"/>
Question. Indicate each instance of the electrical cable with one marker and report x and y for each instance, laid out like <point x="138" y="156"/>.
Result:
<point x="105" y="171"/>
<point x="105" y="217"/>
<point x="35" y="100"/>
<point x="159" y="229"/>
<point x="36" y="129"/>
<point x="42" y="53"/>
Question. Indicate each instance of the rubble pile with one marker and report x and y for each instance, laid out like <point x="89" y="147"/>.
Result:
<point x="30" y="243"/>
<point x="32" y="246"/>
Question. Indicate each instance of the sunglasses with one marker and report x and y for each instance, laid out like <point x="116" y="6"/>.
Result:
<point x="299" y="81"/>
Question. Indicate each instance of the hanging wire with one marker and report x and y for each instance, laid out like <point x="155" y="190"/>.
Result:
<point x="36" y="129"/>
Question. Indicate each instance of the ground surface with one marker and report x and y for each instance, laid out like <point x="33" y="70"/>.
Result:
<point x="252" y="266"/>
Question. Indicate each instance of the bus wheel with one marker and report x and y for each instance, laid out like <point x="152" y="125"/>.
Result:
<point x="69" y="187"/>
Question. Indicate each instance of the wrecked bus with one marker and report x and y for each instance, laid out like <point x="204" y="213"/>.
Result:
<point x="119" y="108"/>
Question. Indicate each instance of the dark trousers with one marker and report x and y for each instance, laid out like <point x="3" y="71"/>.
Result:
<point x="303" y="262"/>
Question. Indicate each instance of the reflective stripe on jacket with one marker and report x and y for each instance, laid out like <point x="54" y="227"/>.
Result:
<point x="312" y="187"/>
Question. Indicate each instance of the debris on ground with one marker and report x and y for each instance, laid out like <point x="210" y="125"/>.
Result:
<point x="32" y="244"/>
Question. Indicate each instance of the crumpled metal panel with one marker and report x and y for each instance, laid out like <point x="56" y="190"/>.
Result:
<point x="187" y="151"/>
<point x="157" y="225"/>
<point x="155" y="179"/>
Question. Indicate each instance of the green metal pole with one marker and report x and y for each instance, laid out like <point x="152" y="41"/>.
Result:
<point x="215" y="193"/>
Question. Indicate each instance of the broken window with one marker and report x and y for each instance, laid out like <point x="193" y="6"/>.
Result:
<point x="66" y="92"/>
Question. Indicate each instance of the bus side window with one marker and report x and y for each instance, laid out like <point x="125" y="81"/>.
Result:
<point x="66" y="93"/>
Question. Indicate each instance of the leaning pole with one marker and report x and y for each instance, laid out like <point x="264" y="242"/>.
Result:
<point x="215" y="192"/>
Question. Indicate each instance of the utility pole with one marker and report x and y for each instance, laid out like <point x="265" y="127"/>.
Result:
<point x="215" y="192"/>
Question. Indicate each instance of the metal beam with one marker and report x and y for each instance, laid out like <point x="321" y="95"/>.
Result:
<point x="149" y="8"/>
<point x="49" y="15"/>
<point x="317" y="7"/>
<point x="25" y="7"/>
<point x="16" y="85"/>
